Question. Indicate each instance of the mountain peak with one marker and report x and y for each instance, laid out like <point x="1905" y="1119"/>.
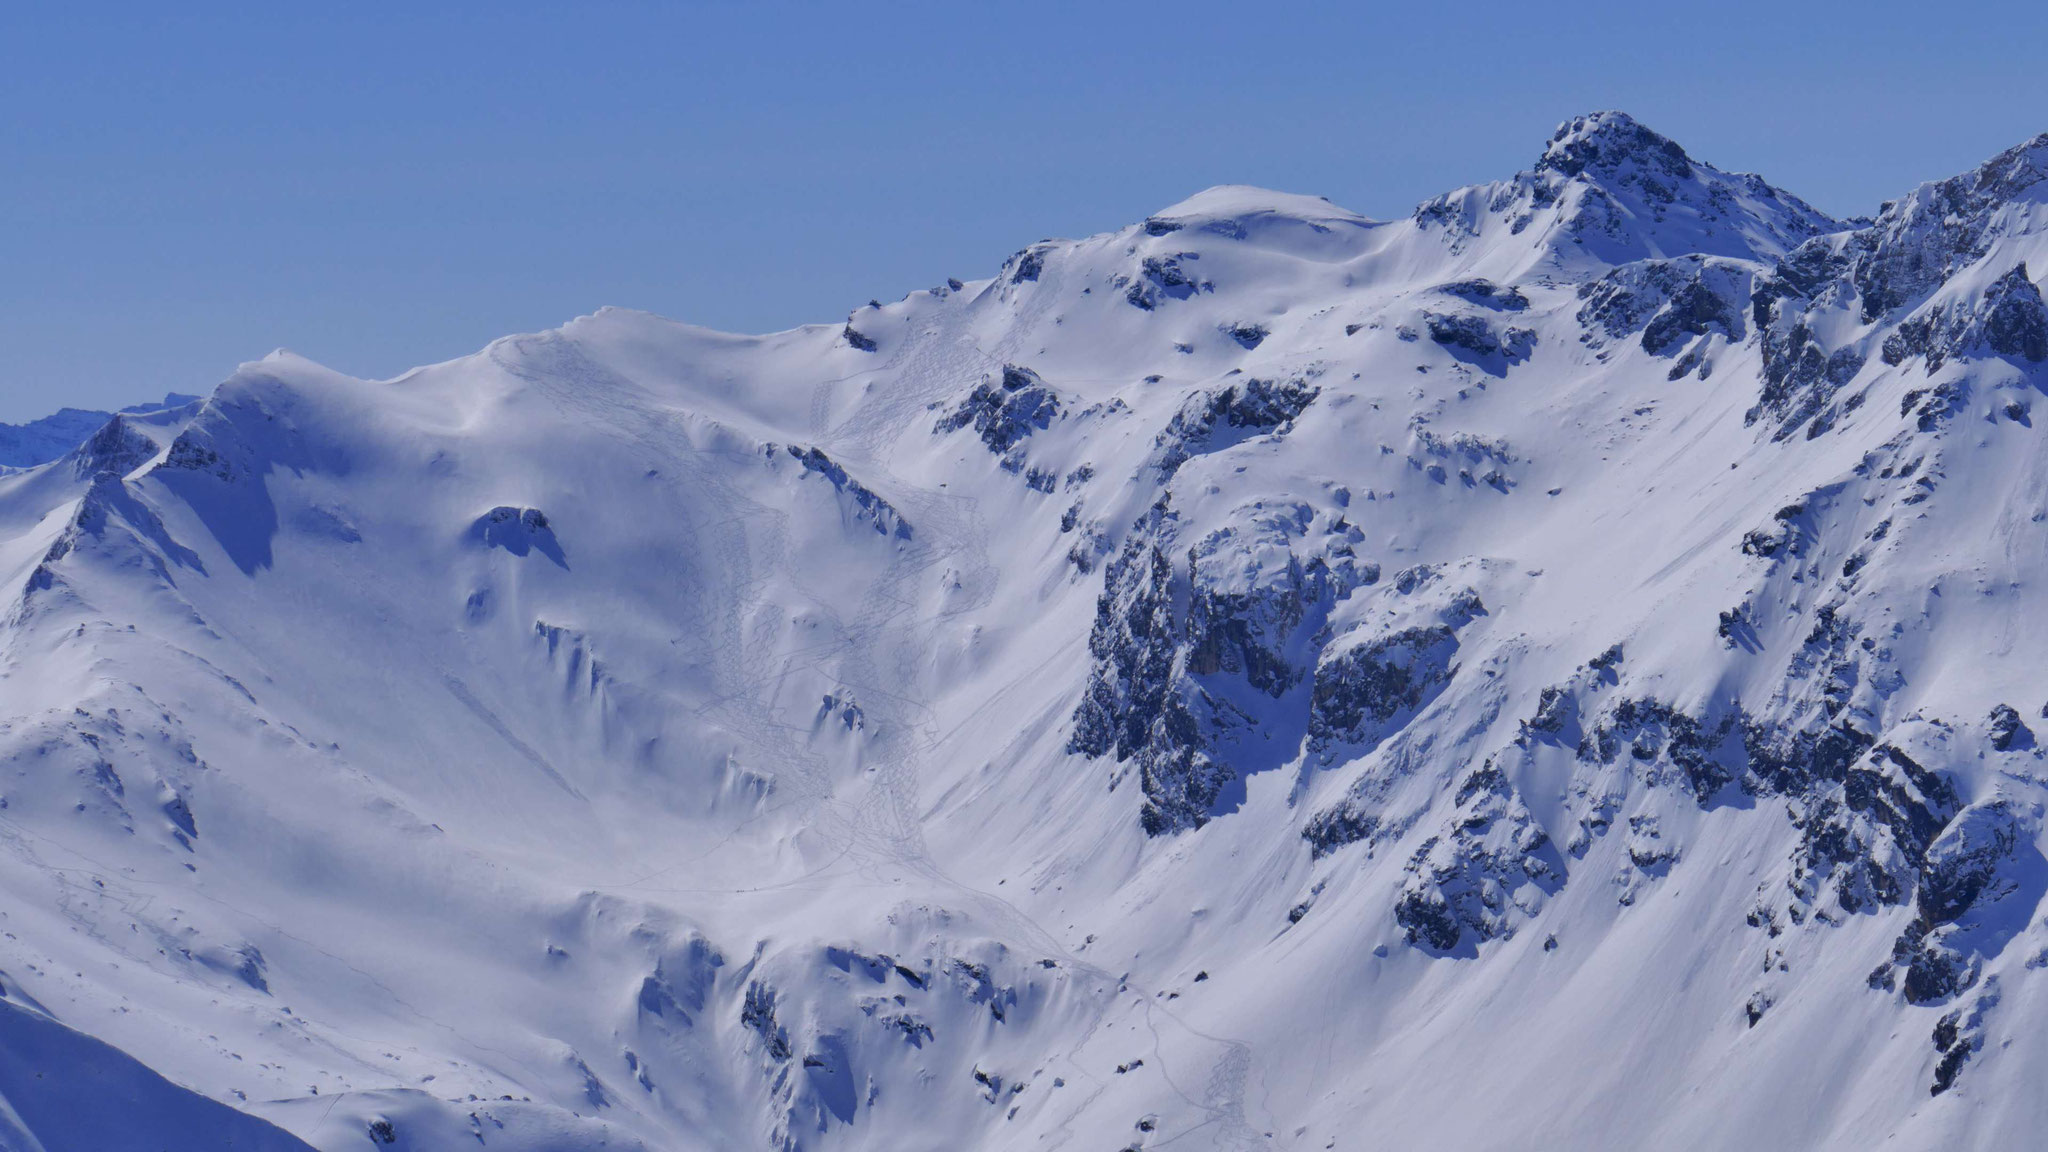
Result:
<point x="2008" y="176"/>
<point x="1606" y="143"/>
<point x="1608" y="191"/>
<point x="1246" y="201"/>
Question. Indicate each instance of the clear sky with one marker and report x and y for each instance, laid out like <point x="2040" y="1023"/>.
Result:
<point x="188" y="186"/>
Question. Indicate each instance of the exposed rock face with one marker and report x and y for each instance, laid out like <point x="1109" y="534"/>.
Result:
<point x="1621" y="192"/>
<point x="1815" y="307"/>
<point x="118" y="448"/>
<point x="2009" y="733"/>
<point x="1802" y="374"/>
<point x="2013" y="321"/>
<point x="1864" y="835"/>
<point x="1176" y="649"/>
<point x="1668" y="301"/>
<point x="1492" y="865"/>
<point x="1477" y="336"/>
<point x="1360" y="691"/>
<point x="1486" y="294"/>
<point x="1963" y="865"/>
<point x="518" y="531"/>
<point x="1005" y="410"/>
<point x="41" y="441"/>
<point x="1213" y="421"/>
<point x="2009" y="319"/>
<point x="1127" y="707"/>
<point x="1026" y="266"/>
<point x="862" y="502"/>
<point x="1919" y="242"/>
<point x="1968" y="869"/>
<point x="1666" y="745"/>
<point x="196" y="450"/>
<point x="1162" y="278"/>
<point x="1612" y="144"/>
<point x="1248" y="336"/>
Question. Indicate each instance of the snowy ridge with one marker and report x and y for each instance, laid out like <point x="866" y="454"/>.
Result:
<point x="1608" y="191"/>
<point x="41" y="441"/>
<point x="1555" y="670"/>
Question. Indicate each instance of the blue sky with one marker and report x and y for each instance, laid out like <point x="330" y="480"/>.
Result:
<point x="187" y="188"/>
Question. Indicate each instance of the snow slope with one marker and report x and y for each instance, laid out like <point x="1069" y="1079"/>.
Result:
<point x="1558" y="670"/>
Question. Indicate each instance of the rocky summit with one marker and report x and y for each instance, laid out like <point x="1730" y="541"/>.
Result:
<point x="1562" y="669"/>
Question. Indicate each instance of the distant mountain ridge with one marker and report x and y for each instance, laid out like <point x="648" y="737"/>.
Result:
<point x="43" y="440"/>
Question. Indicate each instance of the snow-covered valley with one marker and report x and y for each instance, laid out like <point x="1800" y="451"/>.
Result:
<point x="1558" y="670"/>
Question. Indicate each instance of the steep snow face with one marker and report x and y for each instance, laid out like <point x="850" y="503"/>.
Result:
<point x="1555" y="671"/>
<point x="92" y="1096"/>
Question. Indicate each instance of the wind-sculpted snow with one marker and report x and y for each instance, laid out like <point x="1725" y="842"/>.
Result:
<point x="1560" y="669"/>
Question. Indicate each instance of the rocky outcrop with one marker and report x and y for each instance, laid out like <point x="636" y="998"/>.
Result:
<point x="117" y="449"/>
<point x="1914" y="248"/>
<point x="2009" y="319"/>
<point x="518" y="531"/>
<point x="1247" y="335"/>
<point x="1864" y="837"/>
<point x="1027" y="265"/>
<point x="1787" y="538"/>
<point x="1612" y="144"/>
<point x="1966" y="869"/>
<point x="1163" y="277"/>
<point x="1363" y="691"/>
<point x="1801" y="373"/>
<point x="1486" y="294"/>
<point x="1667" y="745"/>
<point x="41" y="441"/>
<point x="1959" y="1035"/>
<point x="1004" y="410"/>
<point x="1475" y="459"/>
<point x="1211" y="421"/>
<point x="1478" y="337"/>
<point x="197" y="450"/>
<point x="1181" y="651"/>
<point x="2009" y="733"/>
<point x="861" y="501"/>
<point x="1491" y="866"/>
<point x="1617" y="191"/>
<point x="1667" y="302"/>
<point x="1917" y="243"/>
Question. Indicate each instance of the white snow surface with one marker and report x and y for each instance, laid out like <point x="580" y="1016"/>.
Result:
<point x="633" y="736"/>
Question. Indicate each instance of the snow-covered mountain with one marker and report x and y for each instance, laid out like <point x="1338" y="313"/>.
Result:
<point x="41" y="441"/>
<point x="1558" y="670"/>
